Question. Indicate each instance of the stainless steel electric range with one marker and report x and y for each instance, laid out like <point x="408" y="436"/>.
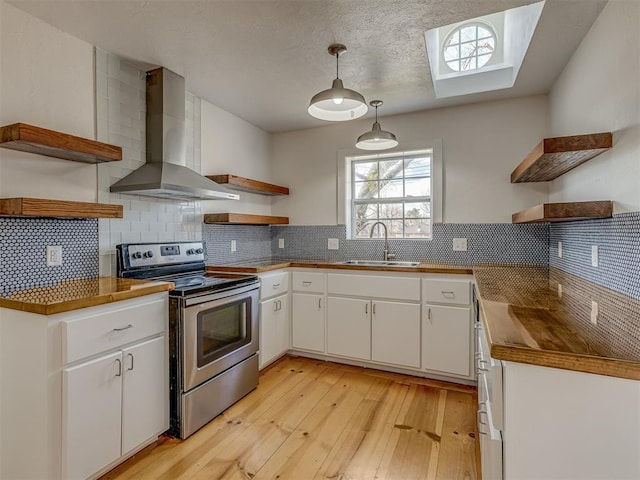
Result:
<point x="213" y="329"/>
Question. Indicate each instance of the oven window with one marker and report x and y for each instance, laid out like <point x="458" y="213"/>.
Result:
<point x="222" y="330"/>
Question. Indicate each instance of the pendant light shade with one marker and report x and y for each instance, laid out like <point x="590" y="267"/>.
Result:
<point x="376" y="139"/>
<point x="337" y="104"/>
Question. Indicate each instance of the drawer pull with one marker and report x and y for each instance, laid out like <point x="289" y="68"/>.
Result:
<point x="306" y="283"/>
<point x="119" y="374"/>
<point x="276" y="285"/>
<point x="130" y="355"/>
<point x="449" y="294"/>
<point x="123" y="328"/>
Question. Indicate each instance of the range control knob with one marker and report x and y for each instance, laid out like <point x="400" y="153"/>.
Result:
<point x="199" y="250"/>
<point x="136" y="255"/>
<point x="191" y="251"/>
<point x="148" y="254"/>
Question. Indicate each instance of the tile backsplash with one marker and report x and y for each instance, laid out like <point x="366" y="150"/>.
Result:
<point x="618" y="242"/>
<point x="24" y="242"/>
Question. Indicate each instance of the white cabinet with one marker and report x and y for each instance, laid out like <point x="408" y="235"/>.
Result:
<point x="349" y="327"/>
<point x="447" y="345"/>
<point x="274" y="329"/>
<point x="395" y="333"/>
<point x="308" y="319"/>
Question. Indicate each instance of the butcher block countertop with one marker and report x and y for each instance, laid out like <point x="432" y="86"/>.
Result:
<point x="79" y="293"/>
<point x="266" y="265"/>
<point x="529" y="319"/>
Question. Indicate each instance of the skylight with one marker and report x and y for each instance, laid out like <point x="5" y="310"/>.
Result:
<point x="481" y="54"/>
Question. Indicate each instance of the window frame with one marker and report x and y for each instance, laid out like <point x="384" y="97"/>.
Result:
<point x="345" y="184"/>
<point x="458" y="29"/>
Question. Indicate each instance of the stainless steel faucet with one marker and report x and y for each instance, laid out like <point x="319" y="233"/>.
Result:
<point x="387" y="255"/>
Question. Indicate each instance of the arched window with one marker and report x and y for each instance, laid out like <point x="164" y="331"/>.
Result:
<point x="469" y="47"/>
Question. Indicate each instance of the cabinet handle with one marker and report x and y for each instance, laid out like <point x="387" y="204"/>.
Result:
<point x="279" y="305"/>
<point x="429" y="314"/>
<point x="374" y="308"/>
<point x="130" y="355"/>
<point x="275" y="305"/>
<point x="480" y="422"/>
<point x="276" y="285"/>
<point x="306" y="283"/>
<point x="448" y="294"/>
<point x="319" y="303"/>
<point x="366" y="309"/>
<point x="119" y="374"/>
<point x="123" y="328"/>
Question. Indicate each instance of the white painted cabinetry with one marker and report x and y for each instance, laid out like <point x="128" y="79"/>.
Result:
<point x="308" y="311"/>
<point x="447" y="346"/>
<point x="349" y="327"/>
<point x="395" y="333"/>
<point x="275" y="320"/>
<point x="91" y="387"/>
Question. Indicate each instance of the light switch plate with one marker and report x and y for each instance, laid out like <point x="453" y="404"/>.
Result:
<point x="594" y="312"/>
<point x="594" y="255"/>
<point x="559" y="249"/>
<point x="234" y="246"/>
<point x="281" y="243"/>
<point x="333" y="244"/>
<point x="54" y="256"/>
<point x="459" y="244"/>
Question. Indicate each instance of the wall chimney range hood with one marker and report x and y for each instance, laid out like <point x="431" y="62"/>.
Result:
<point x="165" y="174"/>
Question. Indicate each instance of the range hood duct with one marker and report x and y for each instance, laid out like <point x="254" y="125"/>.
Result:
<point x="165" y="174"/>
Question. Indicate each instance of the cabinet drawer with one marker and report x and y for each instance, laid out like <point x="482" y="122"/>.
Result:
<point x="308" y="282"/>
<point x="398" y="288"/>
<point x="108" y="327"/>
<point x="451" y="292"/>
<point x="274" y="284"/>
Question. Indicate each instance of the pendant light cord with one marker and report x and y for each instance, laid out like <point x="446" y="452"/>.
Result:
<point x="376" y="113"/>
<point x="337" y="65"/>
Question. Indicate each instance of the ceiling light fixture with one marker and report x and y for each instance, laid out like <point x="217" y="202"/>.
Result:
<point x="337" y="104"/>
<point x="376" y="139"/>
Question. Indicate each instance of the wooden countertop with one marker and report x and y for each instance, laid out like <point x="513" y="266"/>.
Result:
<point x="266" y="265"/>
<point x="528" y="321"/>
<point x="79" y="293"/>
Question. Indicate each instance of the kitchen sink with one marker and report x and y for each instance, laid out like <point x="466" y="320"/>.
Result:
<point x="380" y="263"/>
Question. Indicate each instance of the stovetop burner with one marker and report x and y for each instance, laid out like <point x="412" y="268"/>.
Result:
<point x="182" y="263"/>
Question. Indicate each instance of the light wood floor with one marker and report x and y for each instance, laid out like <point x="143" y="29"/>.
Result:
<point x="318" y="420"/>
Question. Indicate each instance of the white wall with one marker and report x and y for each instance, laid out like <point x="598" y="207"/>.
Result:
<point x="232" y="145"/>
<point x="599" y="91"/>
<point x="482" y="144"/>
<point x="47" y="81"/>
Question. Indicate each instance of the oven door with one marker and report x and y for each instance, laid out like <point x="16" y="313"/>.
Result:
<point x="220" y="330"/>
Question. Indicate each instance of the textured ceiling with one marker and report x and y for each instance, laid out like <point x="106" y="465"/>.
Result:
<point x="263" y="60"/>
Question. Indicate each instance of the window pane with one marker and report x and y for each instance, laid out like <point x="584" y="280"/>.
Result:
<point x="454" y="65"/>
<point x="417" y="228"/>
<point x="467" y="49"/>
<point x="396" y="229"/>
<point x="484" y="33"/>
<point x="366" y="190"/>
<point x="390" y="169"/>
<point x="418" y="187"/>
<point x="455" y="38"/>
<point x="367" y="211"/>
<point x="417" y="210"/>
<point x="391" y="210"/>
<point x="378" y="231"/>
<point x="361" y="228"/>
<point x="486" y="46"/>
<point x="452" y="53"/>
<point x="482" y="60"/>
<point x="468" y="33"/>
<point x="366" y="171"/>
<point x="417" y="167"/>
<point x="391" y="189"/>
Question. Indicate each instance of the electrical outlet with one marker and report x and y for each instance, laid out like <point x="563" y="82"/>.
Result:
<point x="333" y="244"/>
<point x="559" y="290"/>
<point x="594" y="255"/>
<point x="281" y="243"/>
<point x="459" y="244"/>
<point x="559" y="249"/>
<point x="594" y="312"/>
<point x="54" y="256"/>
<point x="234" y="246"/>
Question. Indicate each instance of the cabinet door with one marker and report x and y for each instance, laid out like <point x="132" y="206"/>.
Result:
<point x="145" y="396"/>
<point x="91" y="415"/>
<point x="446" y="341"/>
<point x="395" y="333"/>
<point x="274" y="329"/>
<point x="308" y="322"/>
<point x="349" y="327"/>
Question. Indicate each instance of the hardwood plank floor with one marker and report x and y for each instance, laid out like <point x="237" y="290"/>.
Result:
<point x="314" y="420"/>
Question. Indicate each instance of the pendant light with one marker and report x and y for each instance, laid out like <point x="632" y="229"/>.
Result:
<point x="376" y="139"/>
<point x="337" y="104"/>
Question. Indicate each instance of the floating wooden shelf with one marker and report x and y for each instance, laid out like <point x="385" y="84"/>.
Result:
<point x="553" y="157"/>
<point x="37" y="207"/>
<point x="247" y="185"/>
<point x="564" y="212"/>
<point x="244" y="219"/>
<point x="28" y="138"/>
